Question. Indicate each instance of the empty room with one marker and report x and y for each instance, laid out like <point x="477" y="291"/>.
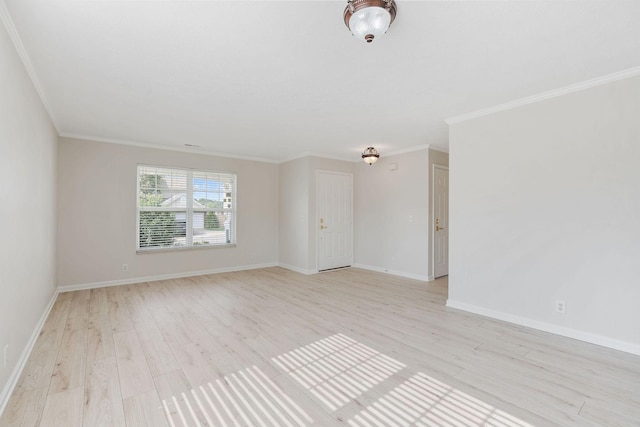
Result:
<point x="319" y="213"/>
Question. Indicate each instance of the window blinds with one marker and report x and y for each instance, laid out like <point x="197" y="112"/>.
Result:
<point x="179" y="208"/>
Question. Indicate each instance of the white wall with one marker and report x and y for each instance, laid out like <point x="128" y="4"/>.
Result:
<point x="391" y="209"/>
<point x="97" y="214"/>
<point x="27" y="210"/>
<point x="545" y="206"/>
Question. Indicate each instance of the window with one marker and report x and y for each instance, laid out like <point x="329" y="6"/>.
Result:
<point x="180" y="208"/>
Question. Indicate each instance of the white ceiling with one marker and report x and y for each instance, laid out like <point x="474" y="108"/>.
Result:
<point x="276" y="80"/>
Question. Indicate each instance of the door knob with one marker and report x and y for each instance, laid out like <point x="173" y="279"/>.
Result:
<point x="322" y="227"/>
<point x="438" y="228"/>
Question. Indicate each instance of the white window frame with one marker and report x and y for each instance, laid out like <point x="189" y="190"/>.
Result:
<point x="189" y="210"/>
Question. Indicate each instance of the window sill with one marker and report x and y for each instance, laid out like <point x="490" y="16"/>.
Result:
<point x="183" y="248"/>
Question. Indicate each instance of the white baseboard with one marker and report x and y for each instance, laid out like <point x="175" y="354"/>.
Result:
<point x="625" y="346"/>
<point x="129" y="281"/>
<point x="5" y="395"/>
<point x="394" y="272"/>
<point x="297" y="269"/>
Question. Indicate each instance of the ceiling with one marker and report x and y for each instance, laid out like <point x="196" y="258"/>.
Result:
<point x="278" y="80"/>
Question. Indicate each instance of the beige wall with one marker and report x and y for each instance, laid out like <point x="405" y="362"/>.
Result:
<point x="97" y="214"/>
<point x="545" y="206"/>
<point x="391" y="209"/>
<point x="276" y="208"/>
<point x="27" y="211"/>
<point x="294" y="214"/>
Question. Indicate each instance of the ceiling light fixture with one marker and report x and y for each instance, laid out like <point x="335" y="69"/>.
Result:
<point x="368" y="19"/>
<point x="370" y="155"/>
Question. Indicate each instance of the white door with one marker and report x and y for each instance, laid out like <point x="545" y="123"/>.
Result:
<point x="441" y="221"/>
<point x="334" y="220"/>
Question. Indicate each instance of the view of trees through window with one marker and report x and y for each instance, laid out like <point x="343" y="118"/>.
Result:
<point x="182" y="208"/>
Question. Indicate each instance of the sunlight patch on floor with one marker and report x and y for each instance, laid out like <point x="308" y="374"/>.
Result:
<point x="425" y="401"/>
<point x="247" y="397"/>
<point x="337" y="369"/>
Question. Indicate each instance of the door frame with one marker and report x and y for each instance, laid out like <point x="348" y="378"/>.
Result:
<point x="432" y="233"/>
<point x="317" y="215"/>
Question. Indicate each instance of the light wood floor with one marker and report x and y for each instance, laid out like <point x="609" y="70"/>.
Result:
<point x="272" y="347"/>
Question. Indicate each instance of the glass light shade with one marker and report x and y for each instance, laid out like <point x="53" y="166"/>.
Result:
<point x="370" y="155"/>
<point x="369" y="23"/>
<point x="370" y="159"/>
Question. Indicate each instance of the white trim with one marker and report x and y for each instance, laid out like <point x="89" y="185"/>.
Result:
<point x="438" y="148"/>
<point x="235" y="156"/>
<point x="625" y="346"/>
<point x="403" y="151"/>
<point x="394" y="272"/>
<point x="26" y="61"/>
<point x="164" y="147"/>
<point x="631" y="72"/>
<point x="321" y="156"/>
<point x="358" y="154"/>
<point x="132" y="280"/>
<point x="12" y="381"/>
<point x="297" y="269"/>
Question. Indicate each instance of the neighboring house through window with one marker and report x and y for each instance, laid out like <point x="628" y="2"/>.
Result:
<point x="181" y="208"/>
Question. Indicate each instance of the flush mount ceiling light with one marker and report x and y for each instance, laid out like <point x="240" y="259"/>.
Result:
<point x="368" y="19"/>
<point x="370" y="155"/>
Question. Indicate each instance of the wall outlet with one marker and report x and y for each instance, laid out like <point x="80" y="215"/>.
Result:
<point x="6" y="354"/>
<point x="561" y="307"/>
<point x="125" y="267"/>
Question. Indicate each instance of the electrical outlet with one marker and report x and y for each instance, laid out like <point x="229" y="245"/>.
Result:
<point x="125" y="267"/>
<point x="561" y="307"/>
<point x="6" y="351"/>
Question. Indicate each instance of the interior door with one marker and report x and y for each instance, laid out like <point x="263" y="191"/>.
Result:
<point x="441" y="221"/>
<point x="334" y="220"/>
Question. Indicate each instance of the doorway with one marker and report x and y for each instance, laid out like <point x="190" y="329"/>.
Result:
<point x="440" y="221"/>
<point x="334" y="205"/>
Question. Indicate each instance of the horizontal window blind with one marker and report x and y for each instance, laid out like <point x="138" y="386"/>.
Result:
<point x="184" y="208"/>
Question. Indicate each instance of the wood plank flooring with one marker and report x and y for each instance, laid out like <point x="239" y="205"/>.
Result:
<point x="271" y="347"/>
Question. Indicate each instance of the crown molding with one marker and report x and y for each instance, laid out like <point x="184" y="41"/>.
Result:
<point x="359" y="159"/>
<point x="438" y="148"/>
<point x="192" y="150"/>
<point x="631" y="72"/>
<point x="195" y="150"/>
<point x="26" y="61"/>
<point x="311" y="154"/>
<point x="398" y="152"/>
<point x="406" y="150"/>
